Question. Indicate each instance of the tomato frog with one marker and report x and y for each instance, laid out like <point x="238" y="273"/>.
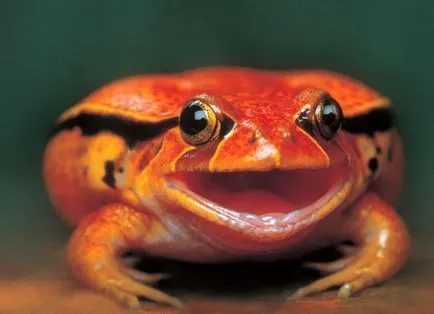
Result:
<point x="222" y="164"/>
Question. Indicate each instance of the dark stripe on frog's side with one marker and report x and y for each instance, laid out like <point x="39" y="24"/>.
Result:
<point x="131" y="131"/>
<point x="376" y="120"/>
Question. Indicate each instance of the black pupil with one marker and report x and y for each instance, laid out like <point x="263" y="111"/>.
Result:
<point x="193" y="119"/>
<point x="331" y="115"/>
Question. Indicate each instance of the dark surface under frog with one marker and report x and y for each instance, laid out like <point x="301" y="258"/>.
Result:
<point x="231" y="288"/>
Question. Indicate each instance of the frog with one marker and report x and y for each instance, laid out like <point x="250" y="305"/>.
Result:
<point x="225" y="164"/>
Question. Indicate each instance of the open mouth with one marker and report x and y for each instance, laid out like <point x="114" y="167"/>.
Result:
<point x="265" y="199"/>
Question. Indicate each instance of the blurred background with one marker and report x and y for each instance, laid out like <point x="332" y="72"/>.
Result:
<point x="53" y="53"/>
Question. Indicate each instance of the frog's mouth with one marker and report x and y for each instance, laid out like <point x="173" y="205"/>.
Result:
<point x="269" y="199"/>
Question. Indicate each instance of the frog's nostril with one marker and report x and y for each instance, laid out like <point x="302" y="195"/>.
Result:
<point x="254" y="137"/>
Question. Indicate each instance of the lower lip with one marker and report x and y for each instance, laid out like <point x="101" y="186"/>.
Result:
<point x="269" y="221"/>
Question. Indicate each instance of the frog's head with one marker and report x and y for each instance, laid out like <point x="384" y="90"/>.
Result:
<point x="263" y="163"/>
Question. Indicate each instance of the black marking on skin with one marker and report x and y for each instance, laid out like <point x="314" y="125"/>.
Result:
<point x="109" y="176"/>
<point x="252" y="138"/>
<point x="390" y="153"/>
<point x="378" y="150"/>
<point x="373" y="165"/>
<point x="304" y="122"/>
<point x="227" y="125"/>
<point x="131" y="131"/>
<point x="376" y="120"/>
<point x="84" y="171"/>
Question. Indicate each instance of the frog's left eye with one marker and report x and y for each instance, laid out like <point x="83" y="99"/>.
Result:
<point x="328" y="117"/>
<point x="199" y="122"/>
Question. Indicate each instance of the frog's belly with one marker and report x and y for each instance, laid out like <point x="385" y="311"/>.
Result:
<point x="205" y="253"/>
<point x="184" y="245"/>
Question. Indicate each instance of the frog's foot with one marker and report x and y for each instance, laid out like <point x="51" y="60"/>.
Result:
<point x="127" y="290"/>
<point x="384" y="244"/>
<point x="352" y="273"/>
<point x="92" y="255"/>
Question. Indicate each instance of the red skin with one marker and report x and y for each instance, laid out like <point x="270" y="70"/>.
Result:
<point x="145" y="211"/>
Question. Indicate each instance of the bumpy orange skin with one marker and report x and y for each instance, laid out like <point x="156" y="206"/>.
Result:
<point x="120" y="196"/>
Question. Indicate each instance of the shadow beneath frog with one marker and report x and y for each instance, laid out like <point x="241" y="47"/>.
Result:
<point x="241" y="279"/>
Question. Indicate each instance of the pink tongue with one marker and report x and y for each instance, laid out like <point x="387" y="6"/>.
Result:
<point x="257" y="202"/>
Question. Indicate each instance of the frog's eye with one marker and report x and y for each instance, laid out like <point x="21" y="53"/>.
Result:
<point x="199" y="122"/>
<point x="328" y="117"/>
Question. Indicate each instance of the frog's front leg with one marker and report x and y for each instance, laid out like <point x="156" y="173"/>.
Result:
<point x="383" y="243"/>
<point x="94" y="255"/>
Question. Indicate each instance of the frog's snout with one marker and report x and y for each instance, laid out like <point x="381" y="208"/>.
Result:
<point x="285" y="149"/>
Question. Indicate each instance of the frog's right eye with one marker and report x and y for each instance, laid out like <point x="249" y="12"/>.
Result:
<point x="199" y="123"/>
<point x="323" y="119"/>
<point x="328" y="117"/>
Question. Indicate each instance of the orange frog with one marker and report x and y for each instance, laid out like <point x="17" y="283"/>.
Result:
<point x="226" y="164"/>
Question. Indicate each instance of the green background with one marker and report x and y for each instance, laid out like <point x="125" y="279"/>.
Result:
<point x="52" y="53"/>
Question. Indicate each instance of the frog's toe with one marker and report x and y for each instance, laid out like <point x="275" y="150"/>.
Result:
<point x="330" y="267"/>
<point x="143" y="277"/>
<point x="127" y="299"/>
<point x="347" y="249"/>
<point x="354" y="286"/>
